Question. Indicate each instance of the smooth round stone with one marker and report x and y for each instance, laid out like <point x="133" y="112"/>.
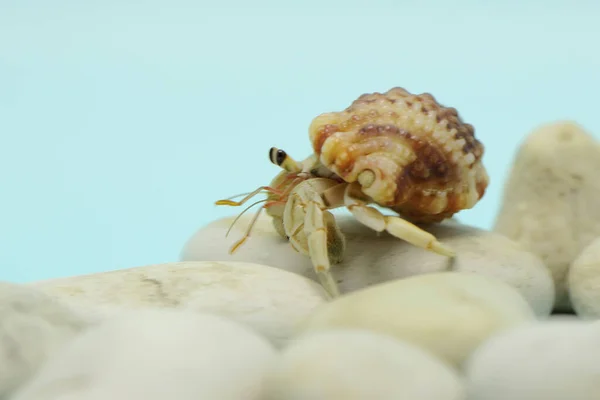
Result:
<point x="584" y="282"/>
<point x="556" y="359"/>
<point x="33" y="327"/>
<point x="360" y="365"/>
<point x="550" y="199"/>
<point x="447" y="313"/>
<point x="158" y="355"/>
<point x="268" y="299"/>
<point x="372" y="258"/>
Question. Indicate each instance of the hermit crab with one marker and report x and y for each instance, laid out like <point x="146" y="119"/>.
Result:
<point x="401" y="152"/>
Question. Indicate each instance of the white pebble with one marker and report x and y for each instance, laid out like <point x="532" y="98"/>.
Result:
<point x="360" y="365"/>
<point x="33" y="327"/>
<point x="268" y="299"/>
<point x="371" y="257"/>
<point x="158" y="355"/>
<point x="448" y="313"/>
<point x="552" y="360"/>
<point x="550" y="199"/>
<point x="584" y="280"/>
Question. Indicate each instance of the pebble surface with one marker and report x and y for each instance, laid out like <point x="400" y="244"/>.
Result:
<point x="158" y="355"/>
<point x="373" y="258"/>
<point x="550" y="199"/>
<point x="270" y="300"/>
<point x="555" y="360"/>
<point x="447" y="313"/>
<point x="584" y="280"/>
<point x="360" y="365"/>
<point x="33" y="328"/>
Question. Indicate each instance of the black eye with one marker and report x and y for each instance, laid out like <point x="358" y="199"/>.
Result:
<point x="280" y="157"/>
<point x="277" y="156"/>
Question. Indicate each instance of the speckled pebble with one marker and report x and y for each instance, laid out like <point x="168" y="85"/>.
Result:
<point x="360" y="365"/>
<point x="158" y="355"/>
<point x="268" y="299"/>
<point x="553" y="360"/>
<point x="550" y="199"/>
<point x="33" y="327"/>
<point x="583" y="282"/>
<point x="373" y="258"/>
<point x="446" y="313"/>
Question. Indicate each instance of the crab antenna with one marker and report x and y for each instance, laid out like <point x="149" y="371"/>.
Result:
<point x="242" y="213"/>
<point x="237" y="195"/>
<point x="249" y="195"/>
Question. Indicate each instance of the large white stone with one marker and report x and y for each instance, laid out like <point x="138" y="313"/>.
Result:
<point x="33" y="327"/>
<point x="373" y="258"/>
<point x="551" y="360"/>
<point x="268" y="299"/>
<point x="158" y="355"/>
<point x="550" y="201"/>
<point x="448" y="313"/>
<point x="360" y="365"/>
<point x="583" y="282"/>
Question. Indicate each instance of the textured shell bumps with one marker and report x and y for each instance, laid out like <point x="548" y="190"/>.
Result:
<point x="426" y="160"/>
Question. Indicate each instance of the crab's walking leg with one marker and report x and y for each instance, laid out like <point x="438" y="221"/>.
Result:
<point x="394" y="225"/>
<point x="315" y="228"/>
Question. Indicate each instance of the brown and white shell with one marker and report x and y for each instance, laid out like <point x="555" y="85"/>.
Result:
<point x="426" y="160"/>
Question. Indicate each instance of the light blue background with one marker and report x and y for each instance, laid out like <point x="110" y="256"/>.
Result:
<point x="122" y="122"/>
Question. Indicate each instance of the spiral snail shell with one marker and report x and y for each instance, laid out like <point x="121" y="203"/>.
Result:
<point x="426" y="162"/>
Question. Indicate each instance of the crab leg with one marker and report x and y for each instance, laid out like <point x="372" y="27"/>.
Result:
<point x="394" y="225"/>
<point x="312" y="229"/>
<point x="316" y="233"/>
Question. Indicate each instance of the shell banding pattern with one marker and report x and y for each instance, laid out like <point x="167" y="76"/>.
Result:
<point x="426" y="160"/>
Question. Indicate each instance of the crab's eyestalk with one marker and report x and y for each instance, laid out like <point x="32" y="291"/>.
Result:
<point x="283" y="160"/>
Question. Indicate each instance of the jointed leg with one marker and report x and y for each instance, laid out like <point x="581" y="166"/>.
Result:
<point x="312" y="230"/>
<point x="394" y="225"/>
<point x="315" y="228"/>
